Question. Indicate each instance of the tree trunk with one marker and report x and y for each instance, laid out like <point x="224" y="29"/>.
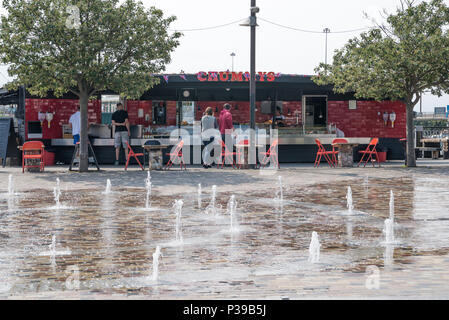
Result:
<point x="410" y="150"/>
<point x="84" y="150"/>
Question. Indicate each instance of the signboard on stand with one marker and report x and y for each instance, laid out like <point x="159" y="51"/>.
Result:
<point x="8" y="142"/>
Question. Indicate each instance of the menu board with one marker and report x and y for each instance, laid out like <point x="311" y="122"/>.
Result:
<point x="6" y="126"/>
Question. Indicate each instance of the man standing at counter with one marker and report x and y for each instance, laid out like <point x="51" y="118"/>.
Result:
<point x="121" y="136"/>
<point x="75" y="123"/>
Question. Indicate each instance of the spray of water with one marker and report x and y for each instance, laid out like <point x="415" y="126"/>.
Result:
<point x="349" y="204"/>
<point x="389" y="231"/>
<point x="156" y="255"/>
<point x="231" y="209"/>
<point x="391" y="206"/>
<point x="279" y="199"/>
<point x="199" y="195"/>
<point x="178" y="211"/>
<point x="214" y="195"/>
<point x="212" y="208"/>
<point x="314" y="248"/>
<point x="52" y="246"/>
<point x="57" y="193"/>
<point x="389" y="223"/>
<point x="10" y="186"/>
<point x="148" y="187"/>
<point x="52" y="252"/>
<point x="279" y="192"/>
<point x="108" y="187"/>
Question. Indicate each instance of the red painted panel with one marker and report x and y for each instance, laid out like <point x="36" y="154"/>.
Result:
<point x="62" y="109"/>
<point x="366" y="120"/>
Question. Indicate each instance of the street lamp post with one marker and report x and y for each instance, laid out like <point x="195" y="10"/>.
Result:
<point x="326" y="31"/>
<point x="252" y="22"/>
<point x="232" y="55"/>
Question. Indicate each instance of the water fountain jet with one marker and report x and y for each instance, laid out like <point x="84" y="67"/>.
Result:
<point x="231" y="209"/>
<point x="212" y="208"/>
<point x="10" y="186"/>
<point x="391" y="205"/>
<point x="349" y="204"/>
<point x="314" y="248"/>
<point x="199" y="195"/>
<point x="148" y="188"/>
<point x="156" y="256"/>
<point x="389" y="231"/>
<point x="178" y="210"/>
<point x="280" y="193"/>
<point x="57" y="194"/>
<point x="108" y="187"/>
<point x="52" y="250"/>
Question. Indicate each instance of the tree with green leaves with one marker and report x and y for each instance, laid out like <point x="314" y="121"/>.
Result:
<point x="85" y="47"/>
<point x="398" y="60"/>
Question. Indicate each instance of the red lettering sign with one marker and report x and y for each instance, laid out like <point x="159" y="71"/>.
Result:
<point x="237" y="76"/>
<point x="213" y="76"/>
<point x="202" y="76"/>
<point x="262" y="76"/>
<point x="222" y="76"/>
<point x="225" y="76"/>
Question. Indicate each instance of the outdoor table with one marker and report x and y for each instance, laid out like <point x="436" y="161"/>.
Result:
<point x="345" y="153"/>
<point x="243" y="152"/>
<point x="155" y="157"/>
<point x="443" y="145"/>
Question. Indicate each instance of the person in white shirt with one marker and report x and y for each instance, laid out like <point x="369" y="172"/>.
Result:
<point x="75" y="122"/>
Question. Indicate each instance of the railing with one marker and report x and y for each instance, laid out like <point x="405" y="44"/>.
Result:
<point x="434" y="132"/>
<point x="430" y="115"/>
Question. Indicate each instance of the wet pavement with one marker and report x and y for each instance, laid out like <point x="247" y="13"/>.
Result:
<point x="105" y="242"/>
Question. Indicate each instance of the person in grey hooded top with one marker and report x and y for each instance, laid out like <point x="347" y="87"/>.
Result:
<point x="208" y="121"/>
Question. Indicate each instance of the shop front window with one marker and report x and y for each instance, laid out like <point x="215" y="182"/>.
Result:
<point x="187" y="112"/>
<point x="108" y="107"/>
<point x="315" y="114"/>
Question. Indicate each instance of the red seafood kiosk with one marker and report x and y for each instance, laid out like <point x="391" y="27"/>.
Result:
<point x="309" y="111"/>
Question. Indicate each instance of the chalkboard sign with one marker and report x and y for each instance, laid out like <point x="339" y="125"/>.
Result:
<point x="7" y="139"/>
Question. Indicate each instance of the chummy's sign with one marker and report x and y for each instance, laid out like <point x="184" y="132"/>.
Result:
<point x="228" y="76"/>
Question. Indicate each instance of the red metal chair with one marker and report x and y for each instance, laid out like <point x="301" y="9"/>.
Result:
<point x="271" y="154"/>
<point x="226" y="154"/>
<point x="239" y="151"/>
<point x="328" y="155"/>
<point x="335" y="150"/>
<point x="33" y="150"/>
<point x="370" y="151"/>
<point x="176" y="155"/>
<point x="131" y="153"/>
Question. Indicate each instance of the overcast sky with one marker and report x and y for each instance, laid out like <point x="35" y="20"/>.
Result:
<point x="278" y="49"/>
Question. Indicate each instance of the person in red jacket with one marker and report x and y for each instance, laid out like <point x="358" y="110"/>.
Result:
<point x="226" y="126"/>
<point x="225" y="122"/>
